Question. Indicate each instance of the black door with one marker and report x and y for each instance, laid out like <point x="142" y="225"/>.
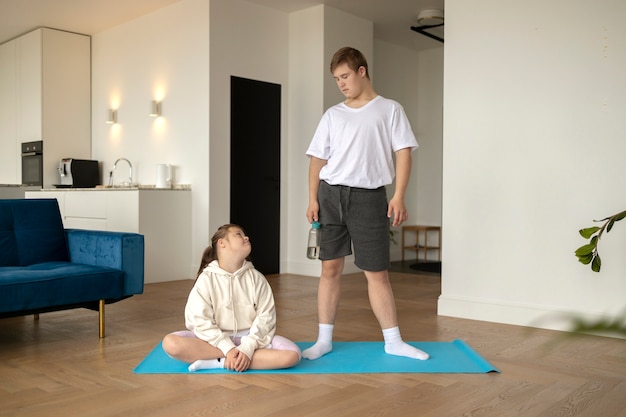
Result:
<point x="255" y="167"/>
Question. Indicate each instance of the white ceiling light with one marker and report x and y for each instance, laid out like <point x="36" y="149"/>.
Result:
<point x="430" y="23"/>
<point x="430" y="17"/>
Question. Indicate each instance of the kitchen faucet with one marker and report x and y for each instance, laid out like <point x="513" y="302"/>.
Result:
<point x="130" y="172"/>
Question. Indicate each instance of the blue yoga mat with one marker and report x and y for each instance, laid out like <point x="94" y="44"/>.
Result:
<point x="350" y="358"/>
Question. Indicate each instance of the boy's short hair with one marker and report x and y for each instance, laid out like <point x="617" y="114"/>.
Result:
<point x="353" y="57"/>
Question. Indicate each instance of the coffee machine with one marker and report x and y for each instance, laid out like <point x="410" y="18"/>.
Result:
<point x="78" y="173"/>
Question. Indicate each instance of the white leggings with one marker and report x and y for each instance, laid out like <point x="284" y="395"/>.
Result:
<point x="278" y="342"/>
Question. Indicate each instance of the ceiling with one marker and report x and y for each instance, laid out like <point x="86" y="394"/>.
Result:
<point x="392" y="18"/>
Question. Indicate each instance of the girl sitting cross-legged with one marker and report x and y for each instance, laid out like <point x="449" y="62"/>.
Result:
<point x="230" y="313"/>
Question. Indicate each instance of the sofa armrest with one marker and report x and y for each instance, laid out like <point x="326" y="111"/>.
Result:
<point x="118" y="250"/>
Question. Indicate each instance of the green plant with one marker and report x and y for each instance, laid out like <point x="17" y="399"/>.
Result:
<point x="588" y="254"/>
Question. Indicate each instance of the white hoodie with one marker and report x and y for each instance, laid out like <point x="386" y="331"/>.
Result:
<point x="222" y="304"/>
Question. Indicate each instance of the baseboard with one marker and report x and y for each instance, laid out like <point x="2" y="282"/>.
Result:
<point x="528" y="315"/>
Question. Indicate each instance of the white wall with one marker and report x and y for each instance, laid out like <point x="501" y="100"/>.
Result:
<point x="247" y="41"/>
<point x="429" y="131"/>
<point x="315" y="34"/>
<point x="162" y="55"/>
<point x="179" y="53"/>
<point x="533" y="149"/>
<point x="415" y="80"/>
<point x="306" y="105"/>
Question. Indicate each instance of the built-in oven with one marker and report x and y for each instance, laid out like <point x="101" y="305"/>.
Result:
<point x="32" y="163"/>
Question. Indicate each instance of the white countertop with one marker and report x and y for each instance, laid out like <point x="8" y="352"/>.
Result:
<point x="179" y="187"/>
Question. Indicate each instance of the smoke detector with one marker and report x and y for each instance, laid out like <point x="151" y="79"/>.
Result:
<point x="430" y="17"/>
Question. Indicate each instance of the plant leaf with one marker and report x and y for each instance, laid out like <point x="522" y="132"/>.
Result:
<point x="610" y="226"/>
<point x="588" y="232"/>
<point x="586" y="259"/>
<point x="596" y="264"/>
<point x="585" y="250"/>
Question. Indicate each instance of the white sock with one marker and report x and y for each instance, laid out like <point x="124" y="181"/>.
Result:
<point x="206" y="364"/>
<point x="323" y="345"/>
<point x="395" y="346"/>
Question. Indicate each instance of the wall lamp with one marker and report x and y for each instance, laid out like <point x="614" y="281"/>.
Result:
<point x="111" y="117"/>
<point x="155" y="110"/>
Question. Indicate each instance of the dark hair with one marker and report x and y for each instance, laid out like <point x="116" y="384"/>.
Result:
<point x="210" y="253"/>
<point x="353" y="57"/>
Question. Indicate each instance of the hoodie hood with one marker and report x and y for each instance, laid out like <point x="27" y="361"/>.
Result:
<point x="214" y="268"/>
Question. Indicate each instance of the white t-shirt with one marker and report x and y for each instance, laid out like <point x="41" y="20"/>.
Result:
<point x="359" y="143"/>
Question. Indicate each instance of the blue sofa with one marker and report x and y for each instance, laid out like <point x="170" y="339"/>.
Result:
<point x="44" y="267"/>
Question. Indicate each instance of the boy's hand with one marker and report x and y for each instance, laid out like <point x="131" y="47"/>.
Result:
<point x="312" y="211"/>
<point x="397" y="209"/>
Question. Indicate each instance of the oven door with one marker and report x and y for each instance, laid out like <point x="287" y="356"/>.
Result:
<point x="32" y="170"/>
<point x="32" y="164"/>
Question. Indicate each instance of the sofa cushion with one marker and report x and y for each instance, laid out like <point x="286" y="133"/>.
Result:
<point x="117" y="250"/>
<point x="55" y="284"/>
<point x="8" y="247"/>
<point x="31" y="232"/>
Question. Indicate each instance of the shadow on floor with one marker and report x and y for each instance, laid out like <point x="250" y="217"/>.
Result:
<point x="414" y="267"/>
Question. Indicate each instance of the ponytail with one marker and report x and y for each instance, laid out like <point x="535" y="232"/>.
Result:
<point x="210" y="253"/>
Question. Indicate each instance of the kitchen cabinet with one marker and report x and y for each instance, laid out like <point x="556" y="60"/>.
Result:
<point x="45" y="94"/>
<point x="9" y="149"/>
<point x="163" y="216"/>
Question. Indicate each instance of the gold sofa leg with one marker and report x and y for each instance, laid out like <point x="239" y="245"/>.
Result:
<point x="101" y="317"/>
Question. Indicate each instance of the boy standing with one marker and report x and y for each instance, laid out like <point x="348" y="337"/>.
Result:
<point x="351" y="161"/>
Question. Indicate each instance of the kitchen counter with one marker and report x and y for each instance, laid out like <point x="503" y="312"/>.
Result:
<point x="163" y="217"/>
<point x="180" y="187"/>
<point x="12" y="191"/>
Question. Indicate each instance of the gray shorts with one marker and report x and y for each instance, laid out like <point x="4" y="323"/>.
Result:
<point x="354" y="217"/>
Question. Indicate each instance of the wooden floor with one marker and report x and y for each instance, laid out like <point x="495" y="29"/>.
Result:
<point x="59" y="367"/>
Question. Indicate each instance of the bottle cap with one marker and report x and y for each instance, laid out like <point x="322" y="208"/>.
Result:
<point x="316" y="225"/>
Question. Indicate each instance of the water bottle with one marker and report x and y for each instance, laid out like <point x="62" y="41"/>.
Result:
<point x="313" y="247"/>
